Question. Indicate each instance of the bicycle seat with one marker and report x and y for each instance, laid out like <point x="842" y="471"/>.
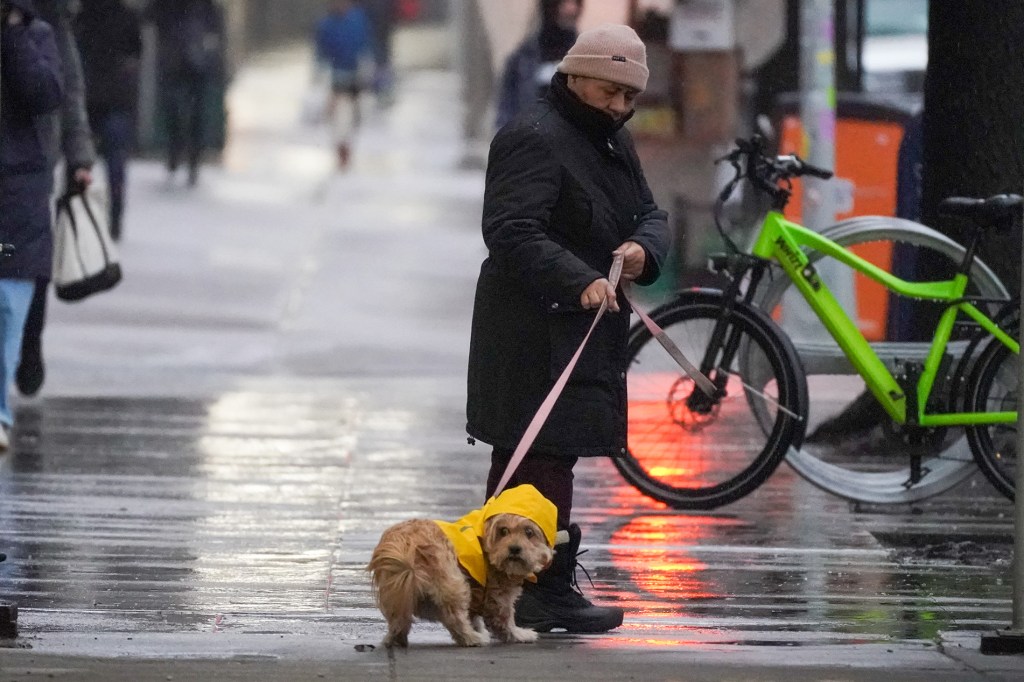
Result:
<point x="1001" y="208"/>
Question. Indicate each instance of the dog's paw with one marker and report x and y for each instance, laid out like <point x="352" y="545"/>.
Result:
<point x="521" y="635"/>
<point x="474" y="638"/>
<point x="393" y="640"/>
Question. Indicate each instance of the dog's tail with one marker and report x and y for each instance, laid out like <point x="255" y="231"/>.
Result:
<point x="393" y="571"/>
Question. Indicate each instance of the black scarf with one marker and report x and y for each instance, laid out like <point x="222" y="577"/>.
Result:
<point x="598" y="126"/>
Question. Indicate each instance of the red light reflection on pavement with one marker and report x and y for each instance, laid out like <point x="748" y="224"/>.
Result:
<point x="653" y="551"/>
<point x="627" y="497"/>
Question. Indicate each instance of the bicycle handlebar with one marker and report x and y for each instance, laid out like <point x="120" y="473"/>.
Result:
<point x="761" y="167"/>
<point x="793" y="166"/>
<point x="751" y="161"/>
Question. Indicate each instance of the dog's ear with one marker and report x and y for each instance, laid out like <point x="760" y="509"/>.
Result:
<point x="490" y="532"/>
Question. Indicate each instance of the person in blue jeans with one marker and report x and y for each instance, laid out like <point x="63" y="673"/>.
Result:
<point x="68" y="138"/>
<point x="110" y="40"/>
<point x="31" y="86"/>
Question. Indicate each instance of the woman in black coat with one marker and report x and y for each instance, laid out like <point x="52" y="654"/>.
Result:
<point x="109" y="37"/>
<point x="564" y="194"/>
<point x="30" y="86"/>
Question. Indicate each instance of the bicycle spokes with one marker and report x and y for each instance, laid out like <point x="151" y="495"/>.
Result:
<point x="770" y="400"/>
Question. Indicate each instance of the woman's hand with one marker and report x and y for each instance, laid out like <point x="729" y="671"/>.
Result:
<point x="634" y="259"/>
<point x="15" y="17"/>
<point x="599" y="291"/>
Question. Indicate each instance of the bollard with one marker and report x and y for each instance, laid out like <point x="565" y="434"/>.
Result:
<point x="1011" y="641"/>
<point x="8" y="620"/>
<point x="8" y="615"/>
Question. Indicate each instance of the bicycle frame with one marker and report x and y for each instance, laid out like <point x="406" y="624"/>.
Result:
<point x="783" y="241"/>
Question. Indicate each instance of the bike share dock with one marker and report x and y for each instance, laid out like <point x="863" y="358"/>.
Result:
<point x="196" y="492"/>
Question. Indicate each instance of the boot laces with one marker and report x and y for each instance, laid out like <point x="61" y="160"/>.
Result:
<point x="573" y="581"/>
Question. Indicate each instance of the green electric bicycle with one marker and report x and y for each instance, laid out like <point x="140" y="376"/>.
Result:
<point x="942" y="405"/>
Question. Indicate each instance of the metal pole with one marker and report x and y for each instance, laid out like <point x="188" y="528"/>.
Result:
<point x="818" y="147"/>
<point x="1018" y="518"/>
<point x="1012" y="641"/>
<point x="818" y="107"/>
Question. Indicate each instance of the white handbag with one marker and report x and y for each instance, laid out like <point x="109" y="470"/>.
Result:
<point x="85" y="260"/>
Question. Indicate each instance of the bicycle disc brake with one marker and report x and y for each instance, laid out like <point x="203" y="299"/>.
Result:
<point x="689" y="407"/>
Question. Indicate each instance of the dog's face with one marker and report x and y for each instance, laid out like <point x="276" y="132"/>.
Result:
<point x="515" y="545"/>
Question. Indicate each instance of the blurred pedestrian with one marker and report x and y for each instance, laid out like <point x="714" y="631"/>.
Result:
<point x="68" y="138"/>
<point x="529" y="69"/>
<point x="344" y="46"/>
<point x="191" y="64"/>
<point x="564" y="195"/>
<point x="110" y="39"/>
<point x="382" y="22"/>
<point x="31" y="85"/>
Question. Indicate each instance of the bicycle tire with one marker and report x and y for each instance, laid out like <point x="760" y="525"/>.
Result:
<point x="689" y="459"/>
<point x="994" y="387"/>
<point x="955" y="462"/>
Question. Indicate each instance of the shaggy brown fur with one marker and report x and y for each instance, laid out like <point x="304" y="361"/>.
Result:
<point x="416" y="574"/>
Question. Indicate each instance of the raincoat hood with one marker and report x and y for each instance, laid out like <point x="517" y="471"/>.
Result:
<point x="465" y="534"/>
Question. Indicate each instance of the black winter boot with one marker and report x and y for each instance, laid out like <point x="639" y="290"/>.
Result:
<point x="555" y="601"/>
<point x="31" y="372"/>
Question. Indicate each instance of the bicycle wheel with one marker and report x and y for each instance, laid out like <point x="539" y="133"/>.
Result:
<point x="692" y="452"/>
<point x="870" y="467"/>
<point x="993" y="387"/>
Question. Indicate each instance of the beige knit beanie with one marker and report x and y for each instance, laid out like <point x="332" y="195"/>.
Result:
<point x="611" y="52"/>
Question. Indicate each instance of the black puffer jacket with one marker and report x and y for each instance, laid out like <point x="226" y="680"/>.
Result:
<point x="564" y="190"/>
<point x="31" y="87"/>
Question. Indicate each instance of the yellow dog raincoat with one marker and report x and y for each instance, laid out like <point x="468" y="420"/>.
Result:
<point x="465" y="534"/>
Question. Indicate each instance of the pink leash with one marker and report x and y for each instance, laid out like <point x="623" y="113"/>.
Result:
<point x="549" y="402"/>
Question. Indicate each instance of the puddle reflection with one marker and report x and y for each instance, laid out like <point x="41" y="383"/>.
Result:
<point x="652" y="549"/>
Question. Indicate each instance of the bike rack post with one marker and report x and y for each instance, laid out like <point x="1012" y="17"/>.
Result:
<point x="1011" y="641"/>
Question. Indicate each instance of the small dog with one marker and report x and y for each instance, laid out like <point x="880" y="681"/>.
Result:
<point x="466" y="575"/>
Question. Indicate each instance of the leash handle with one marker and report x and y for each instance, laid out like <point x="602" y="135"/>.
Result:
<point x="616" y="272"/>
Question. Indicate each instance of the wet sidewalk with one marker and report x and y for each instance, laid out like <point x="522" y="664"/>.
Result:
<point x="222" y="439"/>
